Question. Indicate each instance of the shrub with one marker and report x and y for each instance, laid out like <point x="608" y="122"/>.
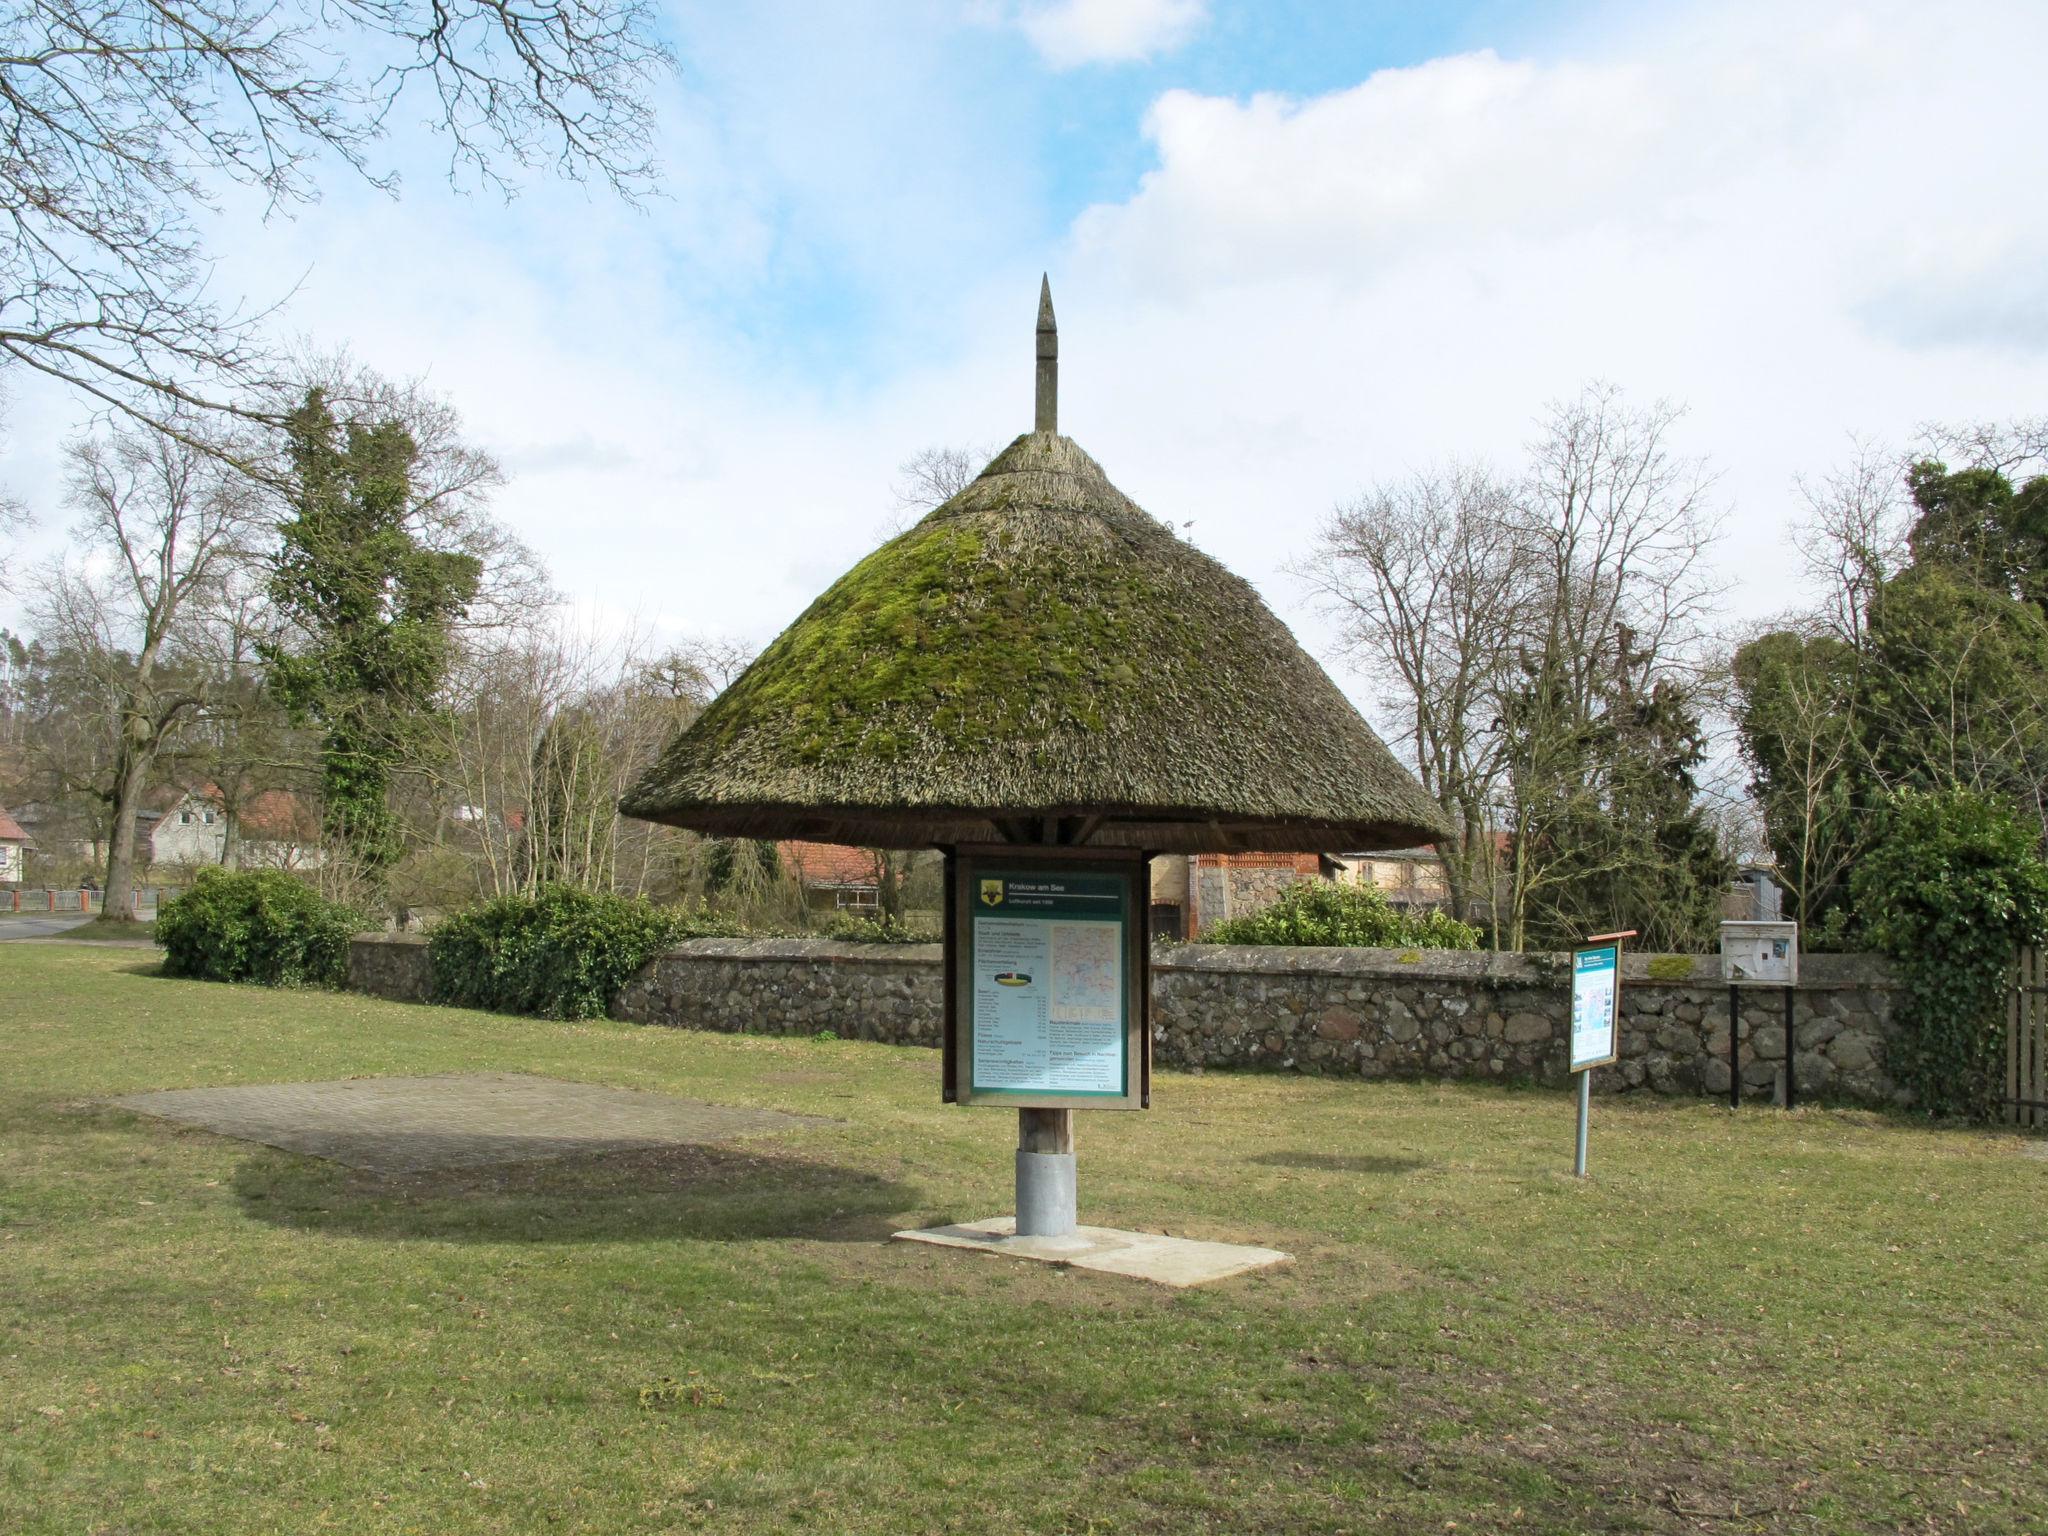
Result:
<point x="1954" y="884"/>
<point x="856" y="928"/>
<point x="558" y="952"/>
<point x="1322" y="912"/>
<point x="260" y="925"/>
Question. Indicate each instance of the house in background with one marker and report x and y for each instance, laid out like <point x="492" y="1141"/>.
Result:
<point x="14" y="845"/>
<point x="1407" y="877"/>
<point x="1192" y="892"/>
<point x="835" y="879"/>
<point x="70" y="840"/>
<point x="1754" y="896"/>
<point x="276" y="829"/>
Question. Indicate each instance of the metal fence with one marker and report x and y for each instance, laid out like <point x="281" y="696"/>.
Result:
<point x="2026" y="1043"/>
<point x="85" y="900"/>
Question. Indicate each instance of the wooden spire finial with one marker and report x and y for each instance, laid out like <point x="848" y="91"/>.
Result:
<point x="1048" y="416"/>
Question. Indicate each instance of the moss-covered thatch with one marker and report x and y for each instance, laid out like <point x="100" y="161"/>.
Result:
<point x="1038" y="650"/>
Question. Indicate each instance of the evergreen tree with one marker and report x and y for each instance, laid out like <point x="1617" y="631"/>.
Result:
<point x="1606" y="802"/>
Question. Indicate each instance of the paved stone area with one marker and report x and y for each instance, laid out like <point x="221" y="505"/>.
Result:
<point x="458" y="1120"/>
<point x="1175" y="1261"/>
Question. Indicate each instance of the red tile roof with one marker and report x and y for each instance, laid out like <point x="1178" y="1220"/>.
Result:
<point x="10" y="829"/>
<point x="269" y="816"/>
<point x="279" y="816"/>
<point x="830" y="863"/>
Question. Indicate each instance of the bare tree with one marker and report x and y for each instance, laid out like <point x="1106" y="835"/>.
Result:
<point x="241" y="744"/>
<point x="161" y="526"/>
<point x="1504" y="617"/>
<point x="928" y="479"/>
<point x="2010" y="447"/>
<point x="1431" y="579"/>
<point x="120" y="120"/>
<point x="716" y="661"/>
<point x="1618" y="525"/>
<point x="934" y="476"/>
<point x="1853" y="538"/>
<point x="550" y="724"/>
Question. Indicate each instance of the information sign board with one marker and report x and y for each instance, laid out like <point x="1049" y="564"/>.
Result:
<point x="1047" y="971"/>
<point x="1760" y="954"/>
<point x="1596" y="1005"/>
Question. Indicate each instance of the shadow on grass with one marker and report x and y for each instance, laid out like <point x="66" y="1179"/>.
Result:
<point x="708" y="1193"/>
<point x="1338" y="1162"/>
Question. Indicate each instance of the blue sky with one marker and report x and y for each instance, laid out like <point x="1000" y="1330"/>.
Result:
<point x="1297" y="249"/>
<point x="837" y="116"/>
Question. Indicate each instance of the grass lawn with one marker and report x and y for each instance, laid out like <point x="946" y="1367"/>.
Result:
<point x="1821" y="1321"/>
<point x="103" y="930"/>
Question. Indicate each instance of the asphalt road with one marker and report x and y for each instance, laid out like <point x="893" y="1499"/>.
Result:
<point x="39" y="925"/>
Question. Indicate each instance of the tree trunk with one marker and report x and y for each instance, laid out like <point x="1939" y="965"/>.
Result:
<point x="118" y="903"/>
<point x="889" y="887"/>
<point x="230" y="837"/>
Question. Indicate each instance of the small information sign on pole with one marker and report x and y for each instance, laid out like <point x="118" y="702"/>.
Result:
<point x="1596" y="1021"/>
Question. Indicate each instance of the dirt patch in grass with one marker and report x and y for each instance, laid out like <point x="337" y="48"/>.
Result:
<point x="717" y="1193"/>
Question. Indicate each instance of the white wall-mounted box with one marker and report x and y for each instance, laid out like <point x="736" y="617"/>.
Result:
<point x="1760" y="954"/>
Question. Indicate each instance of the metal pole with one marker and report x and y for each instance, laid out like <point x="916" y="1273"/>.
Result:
<point x="1791" y="1057"/>
<point x="1734" y="1049"/>
<point x="1046" y="1205"/>
<point x="1585" y="1111"/>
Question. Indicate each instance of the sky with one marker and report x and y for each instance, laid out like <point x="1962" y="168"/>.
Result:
<point x="1296" y="249"/>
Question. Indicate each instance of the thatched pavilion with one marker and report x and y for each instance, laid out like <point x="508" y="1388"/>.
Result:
<point x="1039" y="662"/>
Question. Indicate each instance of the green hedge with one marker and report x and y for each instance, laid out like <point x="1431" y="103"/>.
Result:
<point x="559" y="952"/>
<point x="260" y="925"/>
<point x="1321" y="912"/>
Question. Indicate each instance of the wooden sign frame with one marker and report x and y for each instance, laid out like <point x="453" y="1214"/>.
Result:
<point x="1600" y="943"/>
<point x="1038" y="868"/>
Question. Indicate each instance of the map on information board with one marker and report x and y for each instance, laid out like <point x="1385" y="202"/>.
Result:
<point x="1088" y="972"/>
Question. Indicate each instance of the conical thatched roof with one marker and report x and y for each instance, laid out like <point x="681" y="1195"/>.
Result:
<point x="1038" y="660"/>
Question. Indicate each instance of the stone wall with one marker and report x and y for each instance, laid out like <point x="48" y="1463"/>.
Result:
<point x="1358" y="1012"/>
<point x="1446" y="1014"/>
<point x="887" y="992"/>
<point x="392" y="965"/>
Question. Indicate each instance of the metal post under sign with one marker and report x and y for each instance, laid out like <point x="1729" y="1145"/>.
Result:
<point x="1595" y="1022"/>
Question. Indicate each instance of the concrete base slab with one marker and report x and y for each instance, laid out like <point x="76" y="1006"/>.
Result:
<point x="1174" y="1261"/>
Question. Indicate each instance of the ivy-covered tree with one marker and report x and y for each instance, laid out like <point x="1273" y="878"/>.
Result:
<point x="1952" y="884"/>
<point x="371" y="607"/>
<point x="1954" y="690"/>
<point x="1973" y="521"/>
<point x="1606" y="803"/>
<point x="1940" y="684"/>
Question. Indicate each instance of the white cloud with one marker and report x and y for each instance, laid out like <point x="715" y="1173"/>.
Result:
<point x="1803" y="222"/>
<point x="1071" y="32"/>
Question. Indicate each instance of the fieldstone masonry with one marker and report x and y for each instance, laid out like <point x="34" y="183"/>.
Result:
<point x="392" y="965"/>
<point x="1357" y="1012"/>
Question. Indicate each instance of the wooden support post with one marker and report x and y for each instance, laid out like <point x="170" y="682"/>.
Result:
<point x="1791" y="1051"/>
<point x="1045" y="1130"/>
